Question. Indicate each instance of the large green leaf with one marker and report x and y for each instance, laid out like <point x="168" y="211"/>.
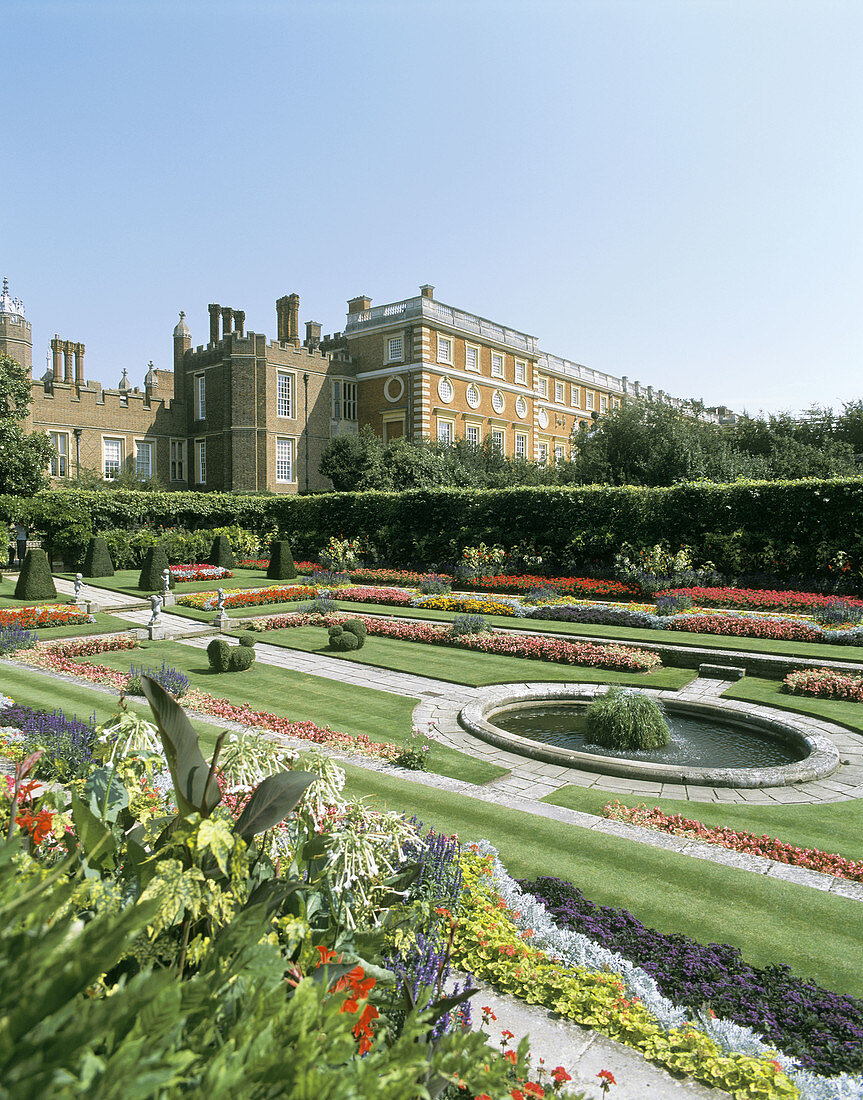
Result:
<point x="189" y="770"/>
<point x="94" y="835"/>
<point x="105" y="794"/>
<point x="272" y="801"/>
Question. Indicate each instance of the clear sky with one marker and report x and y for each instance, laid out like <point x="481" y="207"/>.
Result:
<point x="663" y="189"/>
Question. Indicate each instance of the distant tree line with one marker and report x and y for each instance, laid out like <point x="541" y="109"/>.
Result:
<point x="640" y="443"/>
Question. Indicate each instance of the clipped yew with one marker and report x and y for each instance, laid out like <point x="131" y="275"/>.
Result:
<point x="155" y="564"/>
<point x="97" y="560"/>
<point x="35" y="581"/>
<point x="281" y="566"/>
<point x="221" y="552"/>
<point x="224" y="657"/>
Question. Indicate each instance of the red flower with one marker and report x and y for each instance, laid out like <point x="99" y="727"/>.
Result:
<point x="560" y="1075"/>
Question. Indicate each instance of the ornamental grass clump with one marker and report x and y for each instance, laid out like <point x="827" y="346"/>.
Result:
<point x="624" y="718"/>
<point x="838" y="613"/>
<point x="469" y="624"/>
<point x="176" y="683"/>
<point x="672" y="604"/>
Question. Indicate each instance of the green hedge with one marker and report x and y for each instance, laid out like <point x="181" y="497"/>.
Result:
<point x="782" y="527"/>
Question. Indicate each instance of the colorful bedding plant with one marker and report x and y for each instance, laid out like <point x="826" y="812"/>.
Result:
<point x="504" y="936"/>
<point x="821" y="1030"/>
<point x="64" y="657"/>
<point x="247" y="597"/>
<point x="472" y="605"/>
<point x="753" y="599"/>
<point x="53" y="614"/>
<point x="618" y="658"/>
<point x="784" y="1028"/>
<point x="770" y="847"/>
<point x="197" y="572"/>
<point x="824" y="683"/>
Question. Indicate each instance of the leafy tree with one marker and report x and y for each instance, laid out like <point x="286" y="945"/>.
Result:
<point x="24" y="457"/>
<point x="354" y="461"/>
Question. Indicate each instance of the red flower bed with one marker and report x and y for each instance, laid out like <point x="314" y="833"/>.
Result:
<point x="586" y="587"/>
<point x="677" y="825"/>
<point x="753" y="599"/>
<point x="824" y="683"/>
<point x="374" y="595"/>
<point x="741" y="627"/>
<point x="32" y="618"/>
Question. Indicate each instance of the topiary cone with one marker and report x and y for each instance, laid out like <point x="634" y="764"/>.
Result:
<point x="35" y="581"/>
<point x="221" y="552"/>
<point x="97" y="560"/>
<point x="155" y="564"/>
<point x="281" y="567"/>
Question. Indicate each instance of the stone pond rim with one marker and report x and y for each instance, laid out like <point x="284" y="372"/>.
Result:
<point x="821" y="760"/>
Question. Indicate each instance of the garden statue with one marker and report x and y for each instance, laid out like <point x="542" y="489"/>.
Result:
<point x="79" y="584"/>
<point x="220" y="619"/>
<point x="156" y="607"/>
<point x="166" y="582"/>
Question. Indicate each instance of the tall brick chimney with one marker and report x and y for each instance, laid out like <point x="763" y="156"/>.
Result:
<point x="79" y="364"/>
<point x="313" y="334"/>
<point x="56" y="349"/>
<point x="288" y="319"/>
<point x="215" y="313"/>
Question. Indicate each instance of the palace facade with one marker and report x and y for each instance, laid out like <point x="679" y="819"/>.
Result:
<point x="244" y="412"/>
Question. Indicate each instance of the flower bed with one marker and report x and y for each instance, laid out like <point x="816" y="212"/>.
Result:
<point x="398" y="597"/>
<point x="471" y="605"/>
<point x="754" y="599"/>
<point x="746" y="626"/>
<point x="65" y="657"/>
<point x="824" y="683"/>
<point x="53" y="614"/>
<point x="195" y="572"/>
<point x="503" y="936"/>
<point x="618" y="658"/>
<point x="587" y="587"/>
<point x="770" y="847"/>
<point x="246" y="597"/>
<point x="821" y="1029"/>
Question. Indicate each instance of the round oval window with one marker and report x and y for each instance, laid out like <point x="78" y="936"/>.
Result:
<point x="521" y="407"/>
<point x="497" y="401"/>
<point x="543" y="418"/>
<point x="394" y="387"/>
<point x="473" y="396"/>
<point x="445" y="390"/>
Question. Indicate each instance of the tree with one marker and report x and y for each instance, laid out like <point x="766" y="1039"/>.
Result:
<point x="354" y="461"/>
<point x="24" y="457"/>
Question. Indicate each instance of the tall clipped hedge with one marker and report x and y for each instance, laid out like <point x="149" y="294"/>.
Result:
<point x="783" y="527"/>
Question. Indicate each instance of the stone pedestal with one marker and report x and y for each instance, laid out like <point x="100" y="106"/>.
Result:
<point x="156" y="633"/>
<point x="168" y="599"/>
<point x="221" y="621"/>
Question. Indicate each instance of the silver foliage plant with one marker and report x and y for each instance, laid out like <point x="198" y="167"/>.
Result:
<point x="575" y="949"/>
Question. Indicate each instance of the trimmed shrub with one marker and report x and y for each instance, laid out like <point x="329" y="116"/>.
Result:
<point x="35" y="581"/>
<point x="219" y="655"/>
<point x="246" y="639"/>
<point x="221" y="552"/>
<point x="625" y="718"/>
<point x="343" y="641"/>
<point x="155" y="564"/>
<point x="97" y="560"/>
<point x="281" y="567"/>
<point x="241" y="658"/>
<point x="355" y="626"/>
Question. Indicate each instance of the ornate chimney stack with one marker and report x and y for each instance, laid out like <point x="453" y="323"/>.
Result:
<point x="56" y="349"/>
<point x="68" y="347"/>
<point x="79" y="364"/>
<point x="215" y="312"/>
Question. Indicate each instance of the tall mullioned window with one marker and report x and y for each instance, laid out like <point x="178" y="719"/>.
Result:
<point x="344" y="400"/>
<point x="284" y="460"/>
<point x="143" y="459"/>
<point x="112" y="450"/>
<point x="60" y="454"/>
<point x="178" y="460"/>
<point x="471" y="434"/>
<point x="471" y="357"/>
<point x="285" y="395"/>
<point x="201" y="461"/>
<point x="520" y="445"/>
<point x="200" y="396"/>
<point x="496" y="365"/>
<point x="497" y="439"/>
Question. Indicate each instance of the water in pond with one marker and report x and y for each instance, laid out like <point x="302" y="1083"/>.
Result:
<point x="695" y="742"/>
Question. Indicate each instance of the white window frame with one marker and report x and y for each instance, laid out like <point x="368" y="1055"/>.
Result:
<point x="520" y="445"/>
<point x="285" y="467"/>
<point x="444" y="386"/>
<point x="473" y="429"/>
<point x="498" y="402"/>
<point x="497" y="364"/>
<point x="542" y="386"/>
<point x="559" y="452"/>
<point x="349" y="400"/>
<point x="521" y="371"/>
<point x="60" y="457"/>
<point x="603" y="403"/>
<point x="399" y="355"/>
<point x="285" y="409"/>
<point x="473" y="389"/>
<point x="178" y="459"/>
<point x="558" y="393"/>
<point x="575" y="397"/>
<point x="105" y="441"/>
<point x="498" y="440"/>
<point x="445" y="431"/>
<point x="200" y="462"/>
<point x="588" y="399"/>
<point x="147" y="444"/>
<point x="542" y="454"/>
<point x="200" y="397"/>
<point x="445" y="345"/>
<point x="467" y="364"/>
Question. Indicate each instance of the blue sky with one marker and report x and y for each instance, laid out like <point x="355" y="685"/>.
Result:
<point x="666" y="189"/>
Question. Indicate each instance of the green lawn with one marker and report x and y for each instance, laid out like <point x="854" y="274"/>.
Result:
<point x="379" y="715"/>
<point x="816" y="934"/>
<point x="104" y="624"/>
<point x="806" y="650"/>
<point x="460" y="667"/>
